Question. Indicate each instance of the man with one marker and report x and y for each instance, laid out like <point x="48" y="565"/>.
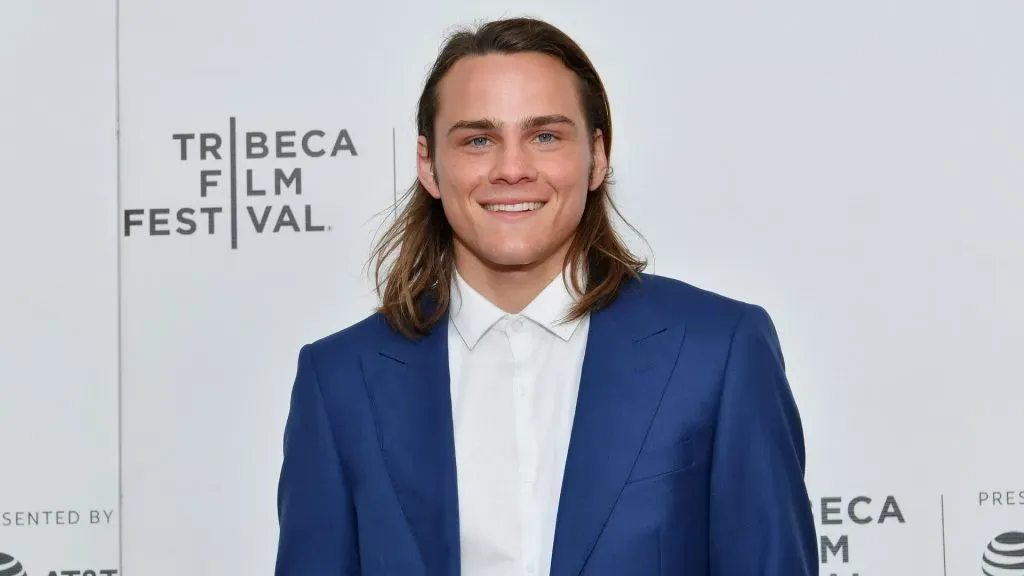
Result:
<point x="526" y="401"/>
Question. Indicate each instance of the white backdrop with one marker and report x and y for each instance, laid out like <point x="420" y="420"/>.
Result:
<point x="854" y="168"/>
<point x="58" y="288"/>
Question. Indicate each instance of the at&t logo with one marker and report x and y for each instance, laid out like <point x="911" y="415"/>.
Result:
<point x="1004" y="555"/>
<point x="10" y="567"/>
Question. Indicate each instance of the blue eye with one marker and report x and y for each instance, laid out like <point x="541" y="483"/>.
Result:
<point x="478" y="142"/>
<point x="546" y="138"/>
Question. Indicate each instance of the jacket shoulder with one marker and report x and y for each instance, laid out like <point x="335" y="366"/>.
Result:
<point x="686" y="303"/>
<point x="364" y="335"/>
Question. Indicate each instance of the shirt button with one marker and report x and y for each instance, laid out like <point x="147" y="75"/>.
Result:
<point x="517" y="324"/>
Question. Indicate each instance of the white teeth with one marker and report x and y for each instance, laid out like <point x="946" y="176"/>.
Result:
<point x="521" y="207"/>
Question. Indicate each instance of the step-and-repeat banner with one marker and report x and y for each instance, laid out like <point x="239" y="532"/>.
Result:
<point x="856" y="169"/>
<point x="59" y="510"/>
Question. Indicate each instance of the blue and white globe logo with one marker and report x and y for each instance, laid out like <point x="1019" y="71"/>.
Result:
<point x="10" y="567"/>
<point x="1004" y="555"/>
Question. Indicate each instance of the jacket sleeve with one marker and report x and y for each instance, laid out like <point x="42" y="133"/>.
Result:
<point x="316" y="513"/>
<point x="761" y="522"/>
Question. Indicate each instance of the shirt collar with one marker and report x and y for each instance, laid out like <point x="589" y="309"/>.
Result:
<point x="473" y="314"/>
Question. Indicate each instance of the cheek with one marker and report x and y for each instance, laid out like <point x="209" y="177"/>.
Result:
<point x="571" y="180"/>
<point x="457" y="187"/>
<point x="465" y="172"/>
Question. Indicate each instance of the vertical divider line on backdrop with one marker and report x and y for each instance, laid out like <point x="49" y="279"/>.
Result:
<point x="120" y="278"/>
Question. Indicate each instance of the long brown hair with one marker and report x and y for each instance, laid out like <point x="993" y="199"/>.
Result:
<point x="415" y="257"/>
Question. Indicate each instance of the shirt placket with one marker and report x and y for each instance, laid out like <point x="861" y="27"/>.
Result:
<point x="523" y="383"/>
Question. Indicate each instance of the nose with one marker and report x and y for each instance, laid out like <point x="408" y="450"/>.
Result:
<point x="512" y="165"/>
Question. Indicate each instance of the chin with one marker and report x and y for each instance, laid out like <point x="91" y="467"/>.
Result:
<point x="510" y="261"/>
<point x="513" y="258"/>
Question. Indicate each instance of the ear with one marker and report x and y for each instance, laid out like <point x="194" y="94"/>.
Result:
<point x="599" y="161"/>
<point x="425" y="168"/>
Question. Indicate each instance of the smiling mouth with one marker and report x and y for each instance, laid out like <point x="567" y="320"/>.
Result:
<point x="519" y="207"/>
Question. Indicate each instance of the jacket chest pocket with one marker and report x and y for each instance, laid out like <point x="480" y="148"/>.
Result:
<point x="685" y="453"/>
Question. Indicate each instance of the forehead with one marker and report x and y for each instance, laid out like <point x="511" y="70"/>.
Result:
<point x="509" y="87"/>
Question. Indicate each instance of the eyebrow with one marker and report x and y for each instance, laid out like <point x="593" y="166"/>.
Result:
<point x="529" y="123"/>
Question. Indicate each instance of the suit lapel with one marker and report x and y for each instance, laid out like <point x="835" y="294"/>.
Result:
<point x="408" y="384"/>
<point x="629" y="357"/>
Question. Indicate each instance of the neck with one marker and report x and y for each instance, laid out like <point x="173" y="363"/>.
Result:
<point x="510" y="288"/>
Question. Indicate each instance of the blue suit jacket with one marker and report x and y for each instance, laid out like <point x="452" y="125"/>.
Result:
<point x="686" y="456"/>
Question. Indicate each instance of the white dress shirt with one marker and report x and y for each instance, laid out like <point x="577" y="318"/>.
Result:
<point x="514" y="380"/>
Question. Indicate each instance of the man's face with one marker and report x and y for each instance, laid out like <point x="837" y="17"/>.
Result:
<point x="513" y="162"/>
